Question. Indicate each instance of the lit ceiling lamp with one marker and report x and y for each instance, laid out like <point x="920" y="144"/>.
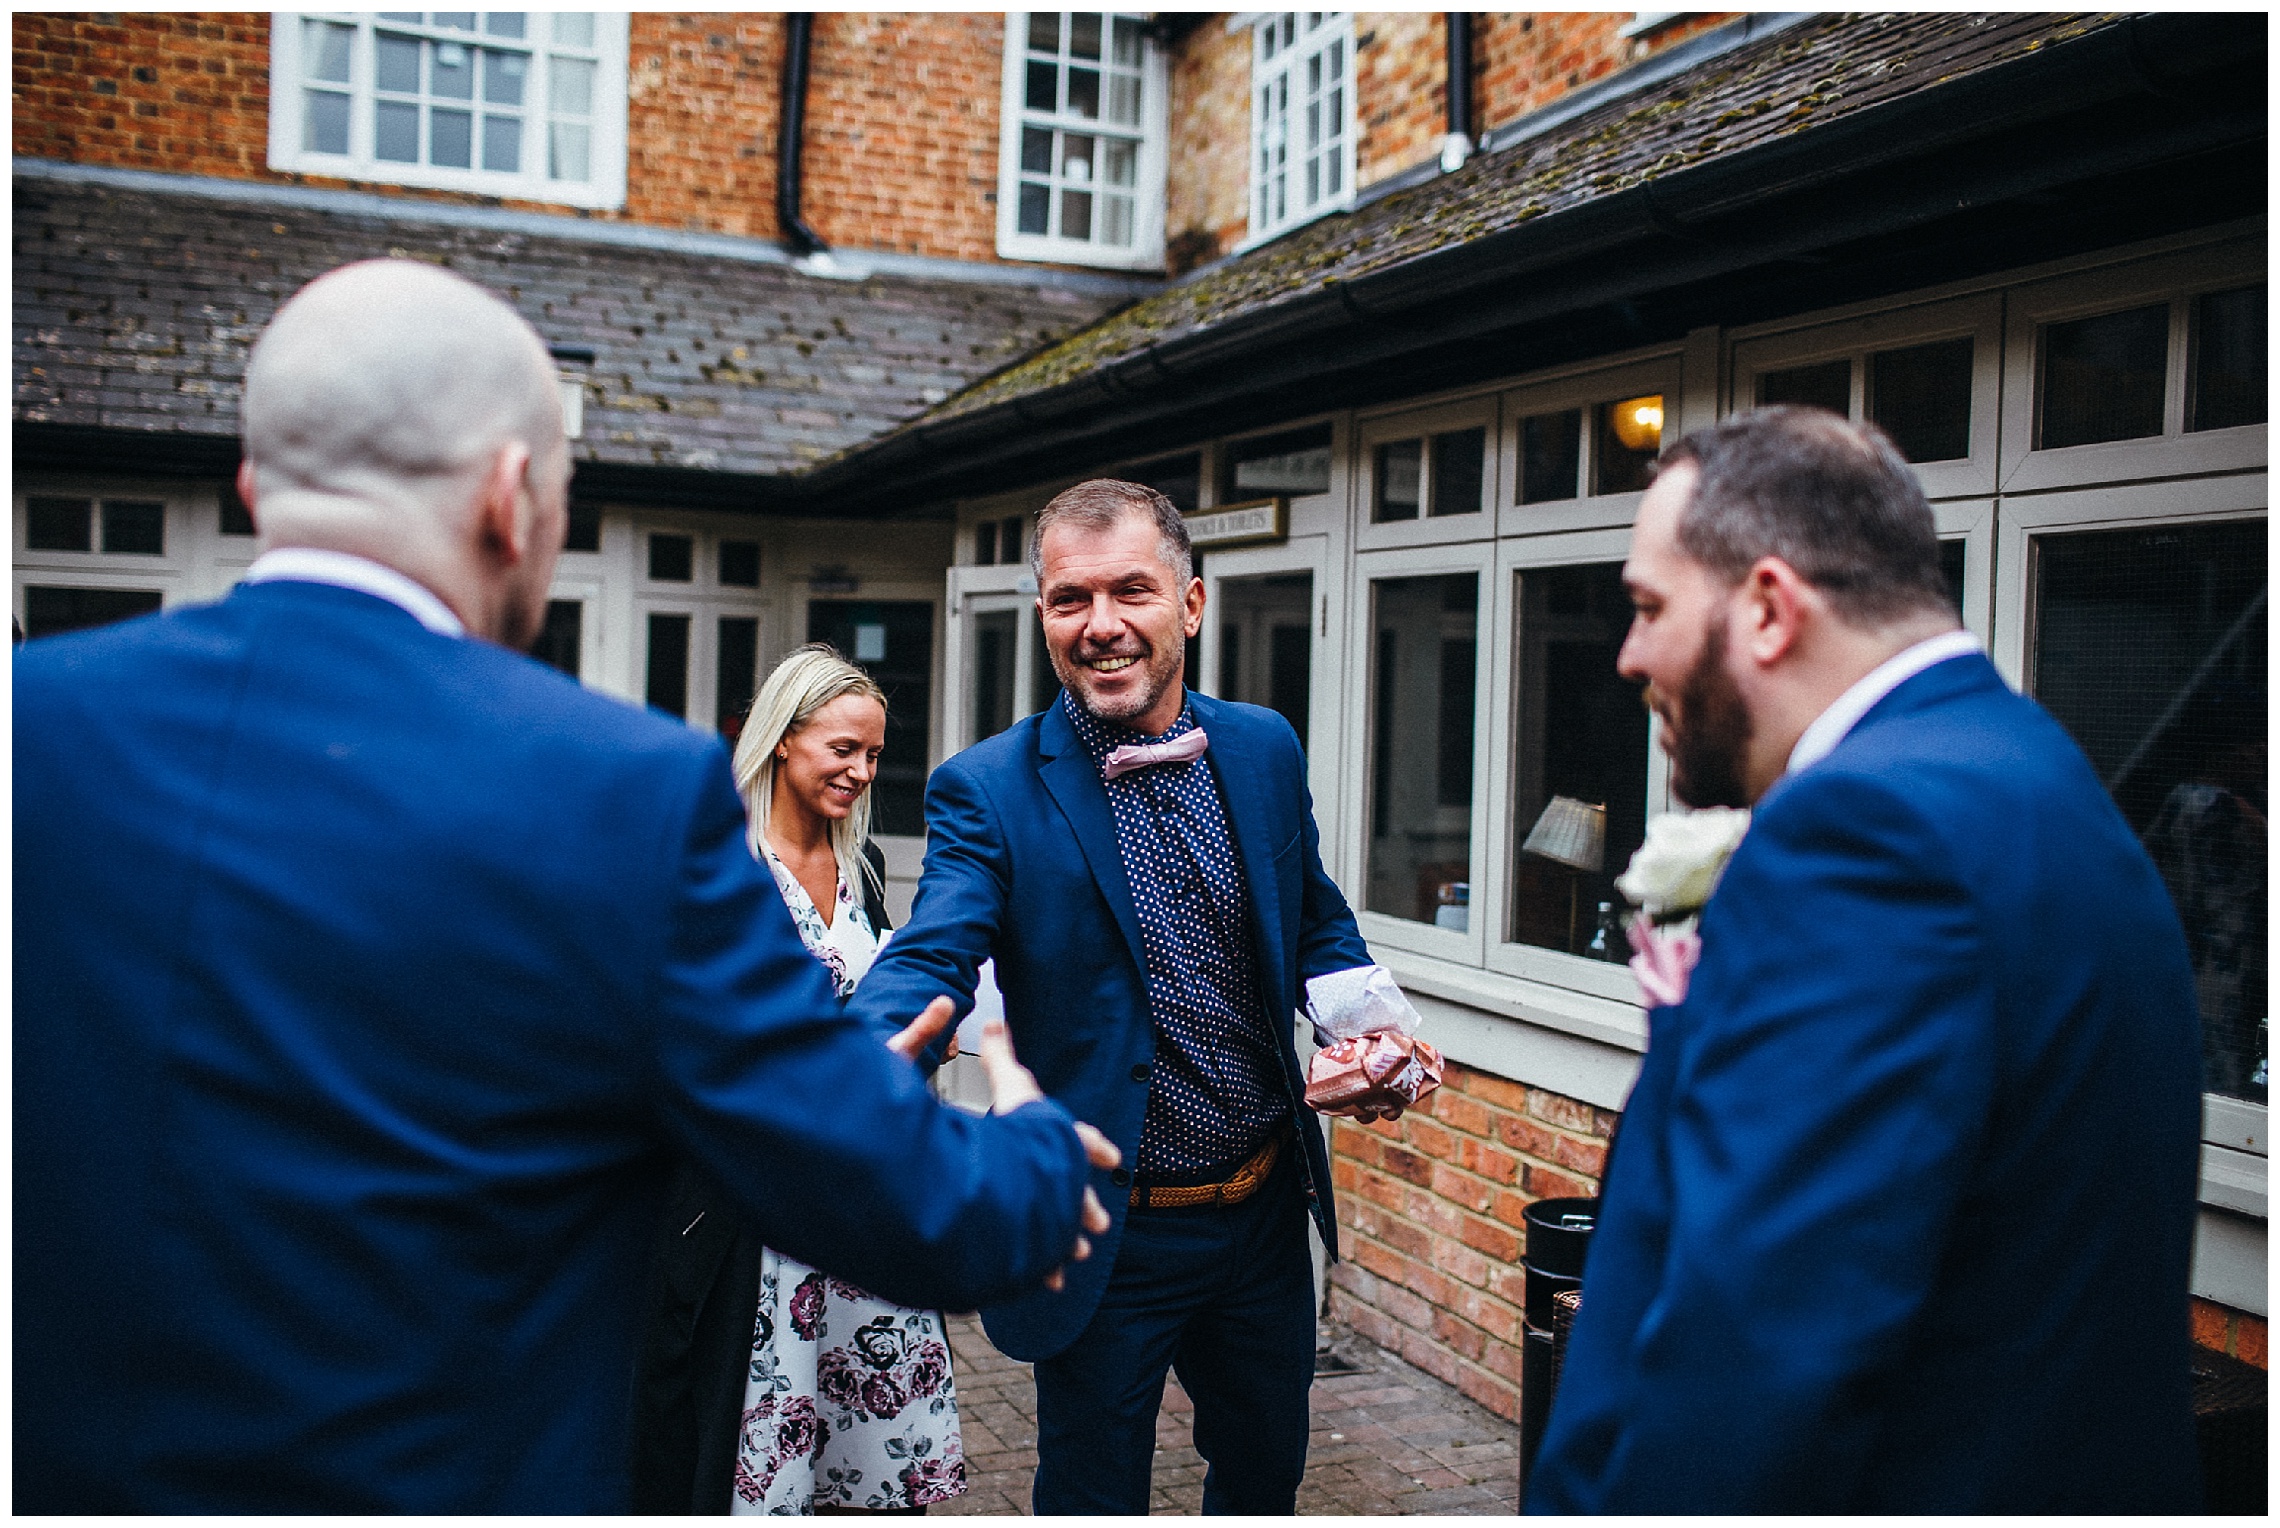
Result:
<point x="1638" y="422"/>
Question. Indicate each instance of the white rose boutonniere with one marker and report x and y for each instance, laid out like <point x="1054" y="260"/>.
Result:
<point x="1670" y="880"/>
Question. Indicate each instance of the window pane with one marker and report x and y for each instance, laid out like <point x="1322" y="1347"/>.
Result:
<point x="1116" y="221"/>
<point x="562" y="637"/>
<point x="325" y="50"/>
<point x="1044" y="684"/>
<point x="505" y="23"/>
<point x="1580" y="778"/>
<point x="1266" y="643"/>
<point x="2150" y="646"/>
<point x="1084" y="34"/>
<point x="451" y="139"/>
<point x="1121" y="161"/>
<point x="2228" y="359"/>
<point x="1952" y="562"/>
<point x="50" y="612"/>
<point x="1626" y="442"/>
<point x="132" y="526"/>
<point x="1010" y="546"/>
<point x="324" y="130"/>
<point x="396" y="64"/>
<point x="1084" y="93"/>
<point x="1178" y="478"/>
<point x="1076" y="214"/>
<point x="893" y="642"/>
<point x="2102" y="378"/>
<point x="574" y="29"/>
<point x="736" y="664"/>
<point x="985" y="543"/>
<point x="1551" y="456"/>
<point x="672" y="559"/>
<point x="585" y="529"/>
<point x="396" y="132"/>
<point x="1421" y="737"/>
<point x="1921" y="397"/>
<point x="1035" y="215"/>
<point x="1077" y="157"/>
<point x="1124" y="99"/>
<point x="1127" y="46"/>
<point x="503" y="76"/>
<point x="568" y="148"/>
<point x="740" y="564"/>
<point x="502" y="143"/>
<point x="59" y="525"/>
<point x="1043" y="90"/>
<point x="1036" y="151"/>
<point x="990" y="705"/>
<point x="1293" y="462"/>
<point x="667" y="679"/>
<point x="573" y="92"/>
<point x="1045" y="31"/>
<point x="1823" y="385"/>
<point x="1399" y="466"/>
<point x="1458" y="458"/>
<point x="458" y="21"/>
<point x="451" y="71"/>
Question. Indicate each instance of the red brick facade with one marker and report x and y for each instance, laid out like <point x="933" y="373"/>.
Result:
<point x="1208" y="173"/>
<point x="2230" y="1331"/>
<point x="1525" y="60"/>
<point x="901" y="138"/>
<point x="1431" y="1209"/>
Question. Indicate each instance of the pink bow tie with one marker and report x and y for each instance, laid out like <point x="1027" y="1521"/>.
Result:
<point x="1185" y="748"/>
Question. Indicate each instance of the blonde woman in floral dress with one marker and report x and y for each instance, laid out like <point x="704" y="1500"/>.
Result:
<point x="814" y="1396"/>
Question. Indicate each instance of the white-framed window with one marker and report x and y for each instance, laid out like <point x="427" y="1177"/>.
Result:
<point x="1302" y="118"/>
<point x="525" y="104"/>
<point x="89" y="551"/>
<point x="1429" y="475"/>
<point x="1081" y="147"/>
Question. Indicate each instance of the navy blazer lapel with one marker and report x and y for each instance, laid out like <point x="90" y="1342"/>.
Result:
<point x="1248" y="786"/>
<point x="1073" y="781"/>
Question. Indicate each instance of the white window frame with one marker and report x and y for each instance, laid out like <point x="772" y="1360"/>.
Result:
<point x="1856" y="337"/>
<point x="1335" y="26"/>
<point x="1146" y="252"/>
<point x="1585" y="390"/>
<point x="1372" y="431"/>
<point x="199" y="563"/>
<point x="607" y="148"/>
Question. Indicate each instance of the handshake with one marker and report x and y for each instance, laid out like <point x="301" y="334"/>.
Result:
<point x="1011" y="1086"/>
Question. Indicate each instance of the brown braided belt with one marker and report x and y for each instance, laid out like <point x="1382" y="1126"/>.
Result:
<point x="1236" y="1189"/>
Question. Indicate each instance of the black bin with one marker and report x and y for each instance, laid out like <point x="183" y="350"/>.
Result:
<point x="1559" y="1234"/>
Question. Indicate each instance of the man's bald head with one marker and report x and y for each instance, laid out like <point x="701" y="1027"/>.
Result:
<point x="387" y="383"/>
<point x="386" y="404"/>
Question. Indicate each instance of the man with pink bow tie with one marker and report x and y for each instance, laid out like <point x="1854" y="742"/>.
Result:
<point x="1141" y="862"/>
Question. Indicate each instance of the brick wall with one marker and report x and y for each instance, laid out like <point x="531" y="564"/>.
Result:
<point x="1401" y="78"/>
<point x="1207" y="179"/>
<point x="1525" y="60"/>
<point x="901" y="135"/>
<point x="1431" y="1207"/>
<point x="2230" y="1331"/>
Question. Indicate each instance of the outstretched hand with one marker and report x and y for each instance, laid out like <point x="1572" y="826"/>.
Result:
<point x="1011" y="1086"/>
<point x="913" y="1037"/>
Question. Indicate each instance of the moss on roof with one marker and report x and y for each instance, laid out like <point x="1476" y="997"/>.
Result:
<point x="1816" y="72"/>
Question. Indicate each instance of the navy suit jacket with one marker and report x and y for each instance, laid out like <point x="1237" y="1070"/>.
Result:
<point x="1900" y="1212"/>
<point x="367" y="982"/>
<point x="1022" y="866"/>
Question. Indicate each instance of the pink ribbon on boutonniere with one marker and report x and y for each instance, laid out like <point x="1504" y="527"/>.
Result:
<point x="1185" y="748"/>
<point x="1663" y="962"/>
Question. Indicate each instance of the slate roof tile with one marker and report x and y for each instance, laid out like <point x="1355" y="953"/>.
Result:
<point x="136" y="310"/>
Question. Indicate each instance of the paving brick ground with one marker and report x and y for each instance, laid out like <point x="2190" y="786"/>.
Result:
<point x="1389" y="1439"/>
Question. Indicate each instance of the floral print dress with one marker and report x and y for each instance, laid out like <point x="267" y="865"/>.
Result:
<point x="848" y="1401"/>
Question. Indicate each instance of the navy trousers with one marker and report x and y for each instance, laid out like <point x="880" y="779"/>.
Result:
<point x="1224" y="1296"/>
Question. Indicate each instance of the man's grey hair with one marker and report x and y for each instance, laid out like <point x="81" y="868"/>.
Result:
<point x="1833" y="499"/>
<point x="1099" y="504"/>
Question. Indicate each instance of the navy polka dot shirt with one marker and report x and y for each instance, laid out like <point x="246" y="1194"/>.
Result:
<point x="1216" y="1088"/>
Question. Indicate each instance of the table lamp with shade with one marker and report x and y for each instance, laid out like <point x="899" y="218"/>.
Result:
<point x="1571" y="833"/>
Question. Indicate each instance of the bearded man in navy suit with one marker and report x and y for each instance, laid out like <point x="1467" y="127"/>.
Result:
<point x="1141" y="862"/>
<point x="1900" y="1213"/>
<point x="370" y="976"/>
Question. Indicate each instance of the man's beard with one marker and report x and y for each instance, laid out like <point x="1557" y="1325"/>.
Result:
<point x="1709" y="742"/>
<point x="1162" y="669"/>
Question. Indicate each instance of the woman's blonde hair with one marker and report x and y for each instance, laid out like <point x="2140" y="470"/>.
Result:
<point x="808" y="679"/>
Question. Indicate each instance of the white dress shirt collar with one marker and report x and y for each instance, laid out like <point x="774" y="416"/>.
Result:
<point x="1829" y="728"/>
<point x="346" y="570"/>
